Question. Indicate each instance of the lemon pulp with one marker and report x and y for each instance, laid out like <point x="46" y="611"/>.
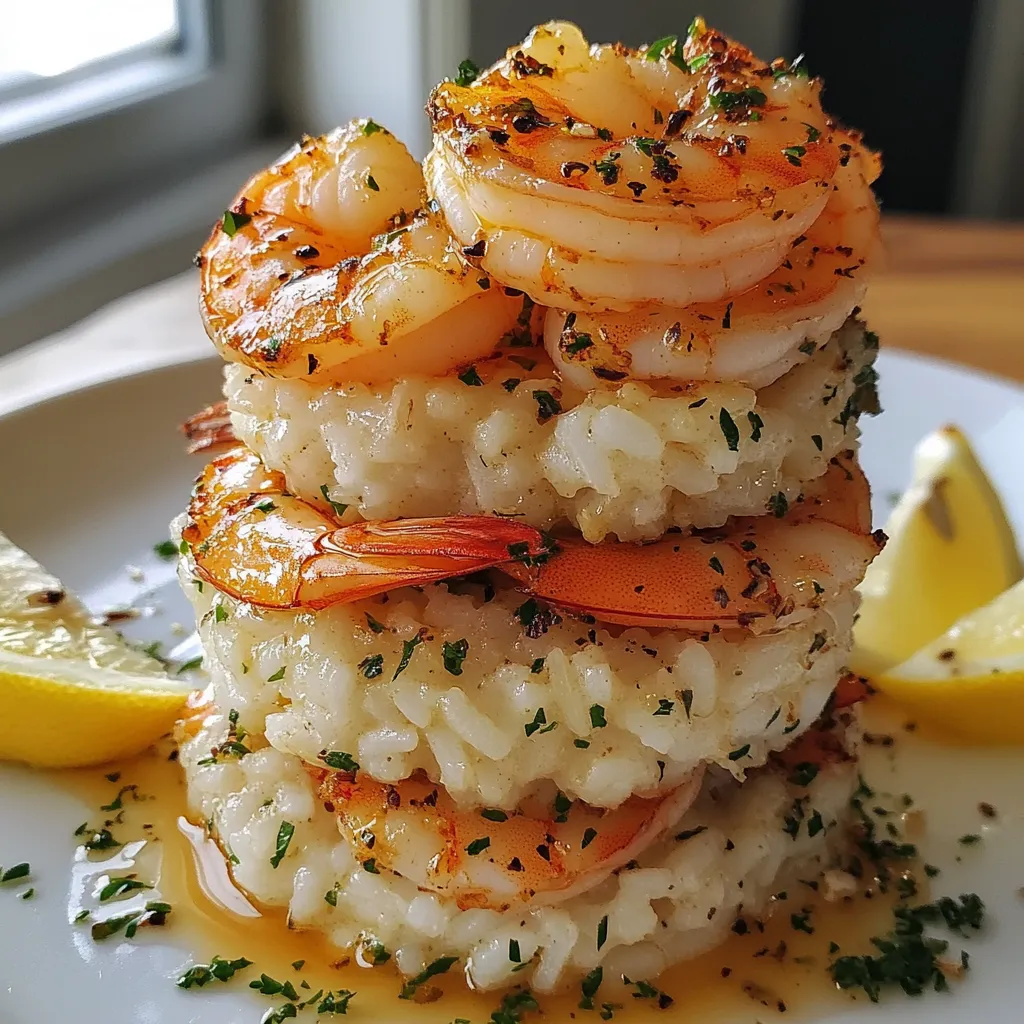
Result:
<point x="74" y="692"/>
<point x="950" y="551"/>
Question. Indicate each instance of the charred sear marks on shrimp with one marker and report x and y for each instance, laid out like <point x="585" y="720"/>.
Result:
<point x="331" y="264"/>
<point x="254" y="541"/>
<point x="689" y="153"/>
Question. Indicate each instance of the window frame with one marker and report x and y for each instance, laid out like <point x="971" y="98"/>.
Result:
<point x="203" y="98"/>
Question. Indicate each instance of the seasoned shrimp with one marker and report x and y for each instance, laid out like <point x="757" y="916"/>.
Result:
<point x="329" y="265"/>
<point x="597" y="177"/>
<point x="753" y="338"/>
<point x="490" y="859"/>
<point x="253" y="541"/>
<point x="762" y="574"/>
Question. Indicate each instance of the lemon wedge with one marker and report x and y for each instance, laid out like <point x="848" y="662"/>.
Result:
<point x="950" y="551"/>
<point x="970" y="680"/>
<point x="74" y="692"/>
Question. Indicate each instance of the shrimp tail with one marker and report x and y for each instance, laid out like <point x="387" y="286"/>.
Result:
<point x="209" y="429"/>
<point x="366" y="559"/>
<point x="256" y="542"/>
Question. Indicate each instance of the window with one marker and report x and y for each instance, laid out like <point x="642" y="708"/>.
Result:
<point x="107" y="109"/>
<point x="52" y="37"/>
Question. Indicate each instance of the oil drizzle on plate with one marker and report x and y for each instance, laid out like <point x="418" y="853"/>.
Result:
<point x="770" y="969"/>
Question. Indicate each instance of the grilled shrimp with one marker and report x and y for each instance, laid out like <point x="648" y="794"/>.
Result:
<point x="753" y="338"/>
<point x="492" y="859"/>
<point x="597" y="177"/>
<point x="255" y="542"/>
<point x="329" y="265"/>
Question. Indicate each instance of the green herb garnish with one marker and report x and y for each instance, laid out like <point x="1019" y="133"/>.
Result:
<point x="729" y="430"/>
<point x="454" y="655"/>
<point x="284" y="838"/>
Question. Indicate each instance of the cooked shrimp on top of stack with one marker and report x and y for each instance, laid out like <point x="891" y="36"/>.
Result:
<point x="525" y="559"/>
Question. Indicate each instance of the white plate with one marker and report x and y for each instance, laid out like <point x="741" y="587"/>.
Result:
<point x="89" y="483"/>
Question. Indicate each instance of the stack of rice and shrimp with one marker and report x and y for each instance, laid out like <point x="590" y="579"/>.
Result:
<point x="527" y="596"/>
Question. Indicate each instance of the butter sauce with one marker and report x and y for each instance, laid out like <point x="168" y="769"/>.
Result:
<point x="772" y="969"/>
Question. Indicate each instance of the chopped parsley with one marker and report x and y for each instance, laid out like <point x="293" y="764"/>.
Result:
<point x="284" y="838"/>
<point x="547" y="405"/>
<point x="278" y="675"/>
<point x="376" y="952"/>
<point x="562" y="807"/>
<point x="589" y="835"/>
<point x="737" y="103"/>
<point x="370" y="865"/>
<point x="339" y="760"/>
<point x="233" y="221"/>
<point x="440" y="966"/>
<point x="906" y="957"/>
<point x="608" y="169"/>
<point x="816" y="438"/>
<point x="189" y="666"/>
<point x="454" y="655"/>
<point x="18" y="871"/>
<point x="377" y="627"/>
<point x="371" y="182"/>
<point x="468" y="73"/>
<point x="372" y="665"/>
<point x="371" y="127"/>
<point x="119" y="886"/>
<point x="664" y="707"/>
<point x="794" y="153"/>
<point x="735" y="755"/>
<point x="539" y="724"/>
<point x="802" y="922"/>
<point x="729" y="430"/>
<point x="579" y="343"/>
<point x="217" y="969"/>
<point x="535" y="618"/>
<point x="166" y="549"/>
<point x="100" y="840"/>
<point x="268" y="986"/>
<point x="335" y="1002"/>
<point x="512" y="1007"/>
<point x="589" y="986"/>
<point x="155" y="913"/>
<point x="408" y="646"/>
<point x="494" y="814"/>
<point x="471" y="377"/>
<point x="337" y="506"/>
<point x="602" y="931"/>
<point x="537" y="666"/>
<point x="687" y="696"/>
<point x="597" y="718"/>
<point x="582" y="744"/>
<point x="478" y="846"/>
<point x="756" y="426"/>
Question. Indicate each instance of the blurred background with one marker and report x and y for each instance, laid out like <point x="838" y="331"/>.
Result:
<point x="127" y="125"/>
